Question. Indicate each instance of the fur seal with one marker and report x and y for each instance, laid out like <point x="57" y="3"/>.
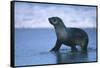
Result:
<point x="68" y="36"/>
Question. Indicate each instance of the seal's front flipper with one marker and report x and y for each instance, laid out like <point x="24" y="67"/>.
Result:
<point x="57" y="46"/>
<point x="54" y="49"/>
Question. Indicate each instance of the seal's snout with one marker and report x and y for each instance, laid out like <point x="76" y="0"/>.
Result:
<point x="50" y="20"/>
<point x="54" y="20"/>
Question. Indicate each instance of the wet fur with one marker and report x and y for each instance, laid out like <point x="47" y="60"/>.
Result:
<point x="68" y="36"/>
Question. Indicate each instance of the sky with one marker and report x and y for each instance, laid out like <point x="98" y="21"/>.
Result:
<point x="35" y="15"/>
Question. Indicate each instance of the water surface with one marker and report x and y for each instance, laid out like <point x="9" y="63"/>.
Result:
<point x="32" y="47"/>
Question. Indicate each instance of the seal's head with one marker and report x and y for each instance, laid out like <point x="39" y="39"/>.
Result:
<point x="54" y="20"/>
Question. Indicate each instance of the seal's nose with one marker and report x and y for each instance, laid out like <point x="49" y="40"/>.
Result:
<point x="49" y="19"/>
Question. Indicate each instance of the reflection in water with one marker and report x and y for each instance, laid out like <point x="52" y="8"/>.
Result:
<point x="63" y="56"/>
<point x="70" y="57"/>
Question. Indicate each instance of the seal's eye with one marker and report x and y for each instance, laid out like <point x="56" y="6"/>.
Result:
<point x="54" y="20"/>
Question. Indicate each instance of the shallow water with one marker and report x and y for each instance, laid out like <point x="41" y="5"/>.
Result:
<point x="32" y="47"/>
